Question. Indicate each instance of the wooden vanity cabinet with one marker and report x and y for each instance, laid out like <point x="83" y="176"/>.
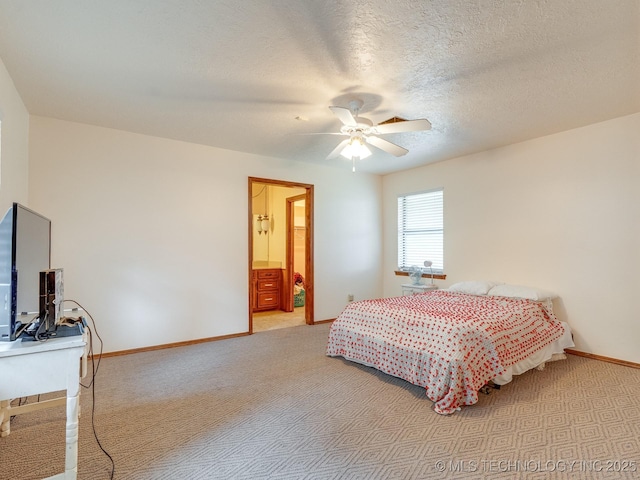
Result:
<point x="267" y="285"/>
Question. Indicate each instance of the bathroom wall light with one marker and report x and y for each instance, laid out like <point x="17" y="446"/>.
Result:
<point x="265" y="223"/>
<point x="259" y="224"/>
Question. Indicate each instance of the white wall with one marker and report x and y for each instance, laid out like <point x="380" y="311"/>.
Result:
<point x="278" y="221"/>
<point x="152" y="233"/>
<point x="14" y="151"/>
<point x="560" y="212"/>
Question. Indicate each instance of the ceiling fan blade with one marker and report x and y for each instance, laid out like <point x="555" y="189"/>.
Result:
<point x="344" y="114"/>
<point x="405" y="126"/>
<point x="338" y="149"/>
<point x="392" y="148"/>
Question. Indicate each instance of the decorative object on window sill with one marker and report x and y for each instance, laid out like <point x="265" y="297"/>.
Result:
<point x="415" y="273"/>
<point x="429" y="265"/>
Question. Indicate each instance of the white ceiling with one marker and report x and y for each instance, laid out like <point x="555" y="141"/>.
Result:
<point x="236" y="74"/>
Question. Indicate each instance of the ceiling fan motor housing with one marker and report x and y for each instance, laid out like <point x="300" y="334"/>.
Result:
<point x="355" y="106"/>
<point x="362" y="125"/>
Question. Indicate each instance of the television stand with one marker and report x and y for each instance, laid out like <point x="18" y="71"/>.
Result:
<point x="31" y="368"/>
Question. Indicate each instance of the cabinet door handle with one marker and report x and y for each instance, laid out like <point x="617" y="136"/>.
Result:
<point x="268" y="284"/>
<point x="267" y="299"/>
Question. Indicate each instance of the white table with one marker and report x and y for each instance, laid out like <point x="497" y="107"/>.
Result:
<point x="31" y="368"/>
<point x="413" y="288"/>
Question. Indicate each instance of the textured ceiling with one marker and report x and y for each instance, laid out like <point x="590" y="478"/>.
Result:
<point x="238" y="74"/>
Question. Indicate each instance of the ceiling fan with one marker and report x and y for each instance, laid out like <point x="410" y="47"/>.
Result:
<point x="362" y="131"/>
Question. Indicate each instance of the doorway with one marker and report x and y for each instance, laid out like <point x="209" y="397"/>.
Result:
<point x="280" y="254"/>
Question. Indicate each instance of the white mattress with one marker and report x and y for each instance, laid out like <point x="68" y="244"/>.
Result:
<point x="550" y="353"/>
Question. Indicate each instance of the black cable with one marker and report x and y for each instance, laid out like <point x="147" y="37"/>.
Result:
<point x="92" y="383"/>
<point x="42" y="329"/>
<point x="94" y="366"/>
<point x="20" y="400"/>
<point x="26" y="325"/>
<point x="93" y="410"/>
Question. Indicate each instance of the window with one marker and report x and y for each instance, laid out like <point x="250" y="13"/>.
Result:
<point x="421" y="230"/>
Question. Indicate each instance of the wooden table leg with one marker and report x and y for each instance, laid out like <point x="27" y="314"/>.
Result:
<point x="5" y="418"/>
<point x="71" y="454"/>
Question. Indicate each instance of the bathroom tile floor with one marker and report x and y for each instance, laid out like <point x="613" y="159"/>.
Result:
<point x="273" y="319"/>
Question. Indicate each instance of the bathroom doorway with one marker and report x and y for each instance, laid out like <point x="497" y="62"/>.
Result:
<point x="280" y="254"/>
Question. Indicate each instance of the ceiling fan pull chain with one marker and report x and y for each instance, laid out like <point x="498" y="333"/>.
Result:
<point x="353" y="164"/>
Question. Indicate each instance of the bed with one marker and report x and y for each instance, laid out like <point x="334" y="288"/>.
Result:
<point x="451" y="342"/>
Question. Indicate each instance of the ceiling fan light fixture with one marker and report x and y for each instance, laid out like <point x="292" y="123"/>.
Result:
<point x="356" y="149"/>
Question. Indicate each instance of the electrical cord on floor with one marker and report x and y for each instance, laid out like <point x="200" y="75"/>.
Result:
<point x="21" y="401"/>
<point x="92" y="384"/>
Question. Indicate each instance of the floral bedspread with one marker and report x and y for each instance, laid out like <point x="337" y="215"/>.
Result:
<point x="450" y="343"/>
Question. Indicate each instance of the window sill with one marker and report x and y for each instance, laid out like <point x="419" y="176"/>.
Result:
<point x="437" y="276"/>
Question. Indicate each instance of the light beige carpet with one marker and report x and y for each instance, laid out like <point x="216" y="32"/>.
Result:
<point x="273" y="406"/>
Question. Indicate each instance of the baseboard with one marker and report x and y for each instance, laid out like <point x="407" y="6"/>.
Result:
<point x="324" y="321"/>
<point x="593" y="356"/>
<point x="170" y="345"/>
<point x="183" y="344"/>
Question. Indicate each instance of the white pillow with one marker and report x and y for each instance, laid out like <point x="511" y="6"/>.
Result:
<point x="521" y="291"/>
<point x="473" y="287"/>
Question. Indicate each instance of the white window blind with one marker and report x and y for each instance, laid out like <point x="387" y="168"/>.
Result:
<point x="421" y="230"/>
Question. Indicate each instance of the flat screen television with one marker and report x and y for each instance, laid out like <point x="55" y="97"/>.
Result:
<point x="25" y="251"/>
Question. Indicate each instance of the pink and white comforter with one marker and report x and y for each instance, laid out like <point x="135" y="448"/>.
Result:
<point x="450" y="343"/>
